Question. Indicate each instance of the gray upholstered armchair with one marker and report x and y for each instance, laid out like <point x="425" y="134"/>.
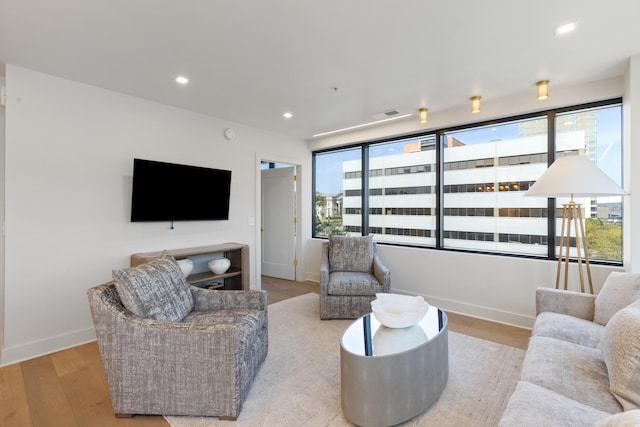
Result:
<point x="351" y="274"/>
<point x="201" y="365"/>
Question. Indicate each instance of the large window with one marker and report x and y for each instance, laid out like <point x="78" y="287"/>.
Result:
<point x="600" y="133"/>
<point x="402" y="192"/>
<point x="463" y="188"/>
<point x="338" y="178"/>
<point x="486" y="172"/>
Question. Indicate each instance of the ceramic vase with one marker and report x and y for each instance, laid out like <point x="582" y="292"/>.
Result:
<point x="219" y="265"/>
<point x="186" y="265"/>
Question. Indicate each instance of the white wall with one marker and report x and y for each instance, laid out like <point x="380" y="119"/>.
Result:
<point x="69" y="160"/>
<point x="631" y="117"/>
<point x="494" y="287"/>
<point x="2" y="126"/>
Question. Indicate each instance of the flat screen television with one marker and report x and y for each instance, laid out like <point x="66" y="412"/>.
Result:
<point x="173" y="192"/>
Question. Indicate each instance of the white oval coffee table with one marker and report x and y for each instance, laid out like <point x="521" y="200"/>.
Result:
<point x="389" y="376"/>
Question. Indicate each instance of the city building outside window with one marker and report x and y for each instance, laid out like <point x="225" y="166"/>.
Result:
<point x="402" y="191"/>
<point x="486" y="172"/>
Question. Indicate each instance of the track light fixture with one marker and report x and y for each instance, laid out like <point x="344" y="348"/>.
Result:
<point x="475" y="104"/>
<point x="542" y="89"/>
<point x="424" y="115"/>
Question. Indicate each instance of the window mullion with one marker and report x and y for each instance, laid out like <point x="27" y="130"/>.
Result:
<point x="440" y="137"/>
<point x="551" y="202"/>
<point x="365" y="190"/>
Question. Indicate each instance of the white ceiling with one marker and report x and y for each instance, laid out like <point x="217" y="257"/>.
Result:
<point x="249" y="61"/>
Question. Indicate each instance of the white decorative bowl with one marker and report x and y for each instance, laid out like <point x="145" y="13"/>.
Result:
<point x="398" y="311"/>
<point x="186" y="265"/>
<point x="219" y="265"/>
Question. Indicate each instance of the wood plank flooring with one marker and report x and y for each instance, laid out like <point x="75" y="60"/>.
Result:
<point x="69" y="388"/>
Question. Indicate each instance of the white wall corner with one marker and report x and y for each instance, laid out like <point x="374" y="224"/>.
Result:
<point x="631" y="139"/>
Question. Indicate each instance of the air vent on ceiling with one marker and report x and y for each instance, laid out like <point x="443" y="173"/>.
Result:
<point x="386" y="114"/>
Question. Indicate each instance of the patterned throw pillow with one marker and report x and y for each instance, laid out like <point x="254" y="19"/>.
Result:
<point x="618" y="291"/>
<point x="620" y="345"/>
<point x="155" y="290"/>
<point x="348" y="253"/>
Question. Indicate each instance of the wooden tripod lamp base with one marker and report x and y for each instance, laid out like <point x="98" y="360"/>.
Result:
<point x="572" y="212"/>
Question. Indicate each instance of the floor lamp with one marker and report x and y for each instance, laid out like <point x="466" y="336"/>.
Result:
<point x="571" y="176"/>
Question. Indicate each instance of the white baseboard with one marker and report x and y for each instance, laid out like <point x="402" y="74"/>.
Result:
<point x="22" y="352"/>
<point x="505" y="317"/>
<point x="312" y="277"/>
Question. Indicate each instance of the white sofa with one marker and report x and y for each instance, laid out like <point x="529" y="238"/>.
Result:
<point x="582" y="366"/>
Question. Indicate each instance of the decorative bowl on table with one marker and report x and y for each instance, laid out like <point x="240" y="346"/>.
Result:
<point x="219" y="265"/>
<point x="398" y="311"/>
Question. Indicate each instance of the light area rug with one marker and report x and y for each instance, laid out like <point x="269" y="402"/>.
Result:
<point x="299" y="382"/>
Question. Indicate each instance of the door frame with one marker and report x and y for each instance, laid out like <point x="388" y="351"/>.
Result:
<point x="270" y="158"/>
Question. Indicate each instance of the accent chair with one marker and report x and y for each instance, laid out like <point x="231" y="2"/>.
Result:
<point x="169" y="348"/>
<point x="351" y="274"/>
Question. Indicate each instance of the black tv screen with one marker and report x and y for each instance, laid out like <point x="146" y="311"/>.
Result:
<point x="173" y="192"/>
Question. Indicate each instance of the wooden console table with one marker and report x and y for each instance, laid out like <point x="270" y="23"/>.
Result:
<point x="235" y="278"/>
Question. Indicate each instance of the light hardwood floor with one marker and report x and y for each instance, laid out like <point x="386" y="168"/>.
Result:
<point x="68" y="388"/>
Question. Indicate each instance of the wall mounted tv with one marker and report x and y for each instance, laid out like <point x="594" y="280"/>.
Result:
<point x="173" y="192"/>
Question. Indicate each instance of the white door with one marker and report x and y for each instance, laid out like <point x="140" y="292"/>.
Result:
<point x="278" y="223"/>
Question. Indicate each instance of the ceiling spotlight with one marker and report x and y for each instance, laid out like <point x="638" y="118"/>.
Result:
<point x="287" y="115"/>
<point x="542" y="89"/>
<point x="566" y="28"/>
<point x="424" y="115"/>
<point x="475" y="104"/>
<point x="182" y="80"/>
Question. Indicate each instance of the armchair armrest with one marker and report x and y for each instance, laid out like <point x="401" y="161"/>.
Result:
<point x="381" y="273"/>
<point x="324" y="268"/>
<point x="572" y="303"/>
<point x="206" y="299"/>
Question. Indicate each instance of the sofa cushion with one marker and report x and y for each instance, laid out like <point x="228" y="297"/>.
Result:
<point x="534" y="406"/>
<point x="155" y="290"/>
<point x="575" y="371"/>
<point x="567" y="328"/>
<point x="247" y="326"/>
<point x="623" y="419"/>
<point x="618" y="291"/>
<point x="353" y="283"/>
<point x="621" y="352"/>
<point x="351" y="253"/>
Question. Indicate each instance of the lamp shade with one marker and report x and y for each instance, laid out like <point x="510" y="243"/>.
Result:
<point x="571" y="176"/>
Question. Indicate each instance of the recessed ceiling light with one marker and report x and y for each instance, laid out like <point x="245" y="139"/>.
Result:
<point x="566" y="28"/>
<point x="287" y="115"/>
<point x="182" y="80"/>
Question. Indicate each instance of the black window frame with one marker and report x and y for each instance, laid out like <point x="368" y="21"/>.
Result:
<point x="439" y="135"/>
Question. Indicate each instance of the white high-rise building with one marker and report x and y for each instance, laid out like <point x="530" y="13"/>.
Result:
<point x="483" y="204"/>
